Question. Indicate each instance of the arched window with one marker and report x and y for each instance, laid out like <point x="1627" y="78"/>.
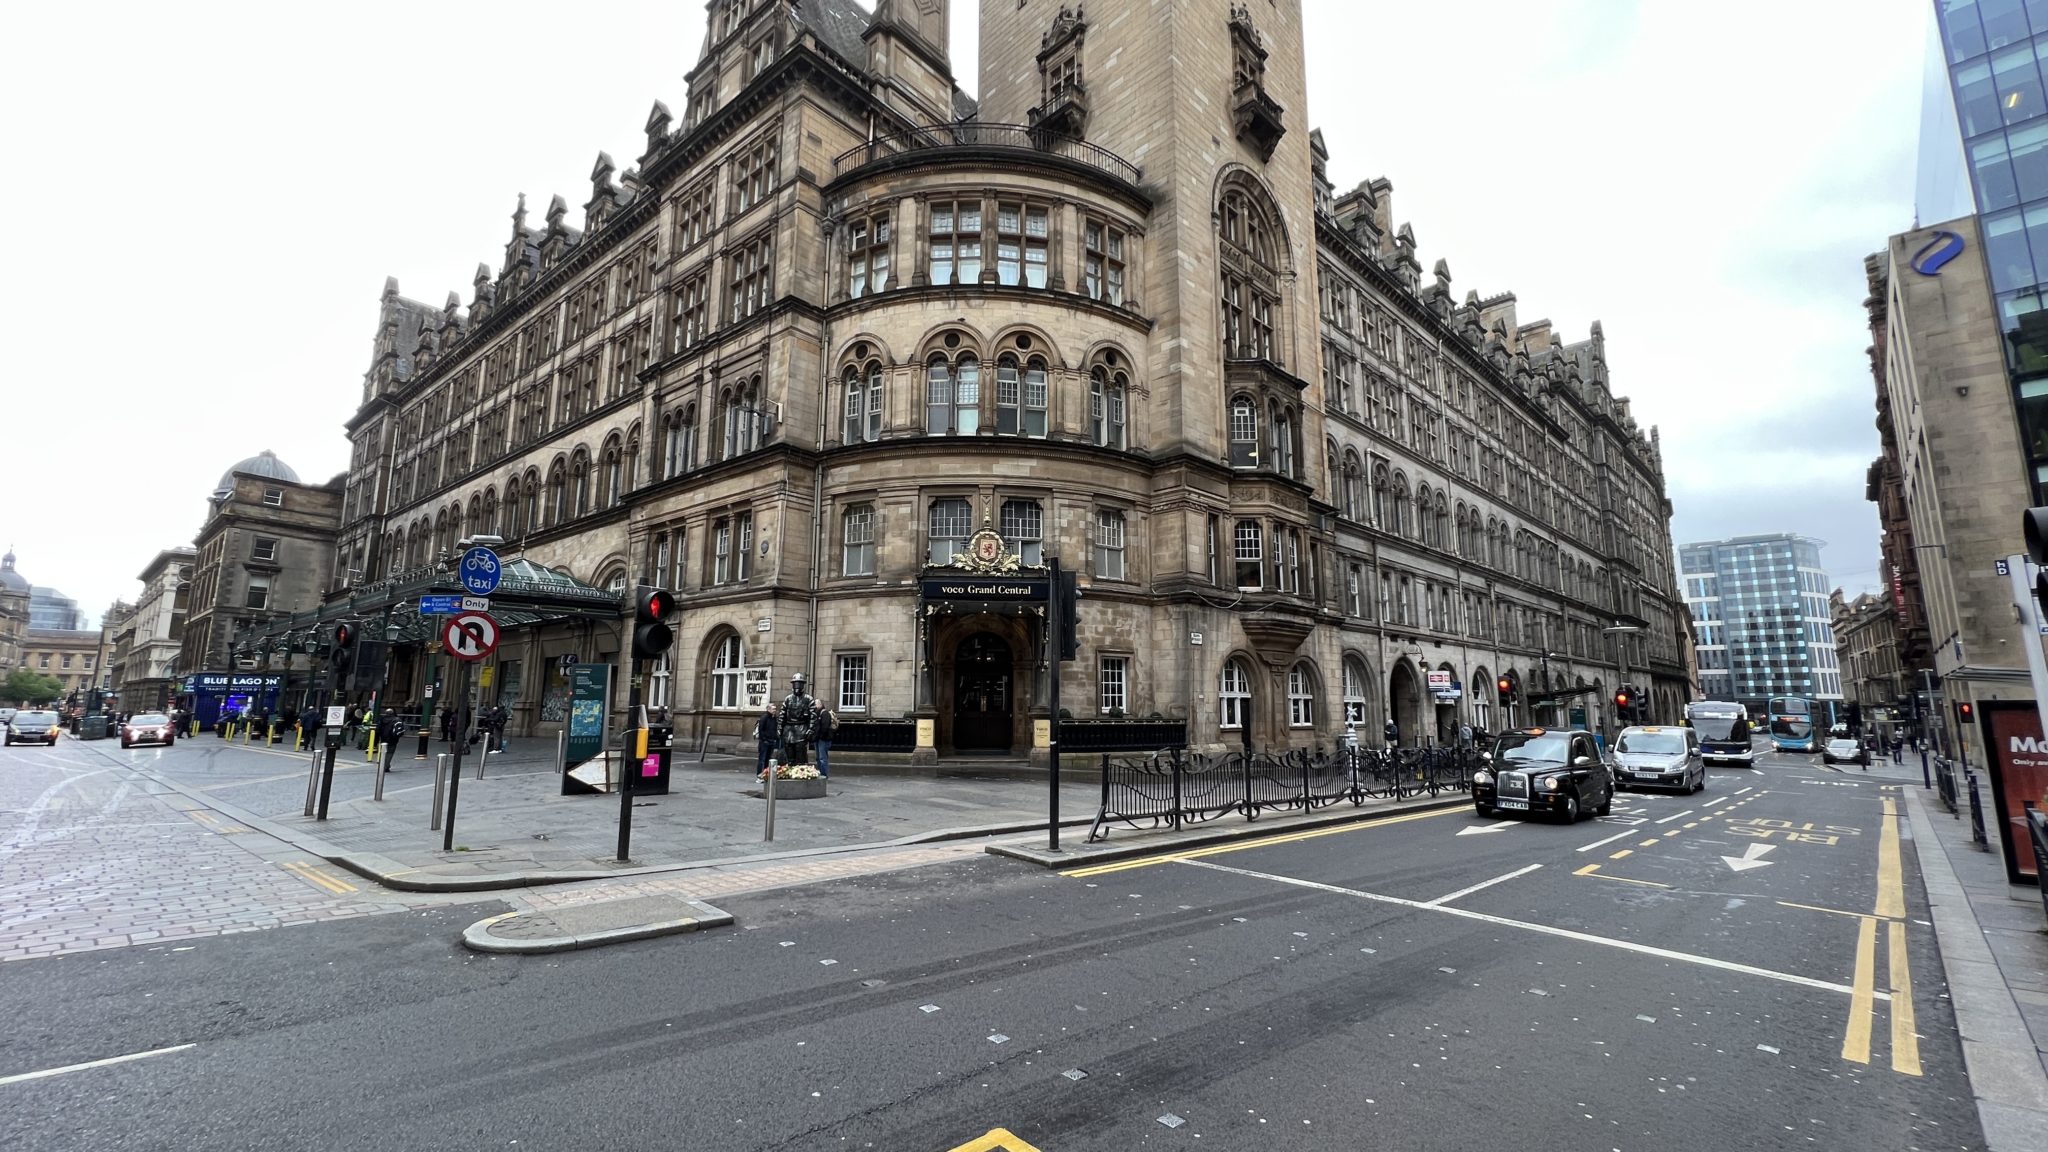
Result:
<point x="1244" y="432"/>
<point x="1443" y="522"/>
<point x="629" y="464"/>
<point x="1355" y="680"/>
<point x="488" y="522"/>
<point x="728" y="671"/>
<point x="533" y="521"/>
<point x="953" y="396"/>
<point x="558" y="495"/>
<point x="862" y="407"/>
<point x="671" y="444"/>
<point x="1020" y="397"/>
<point x="1234" y="695"/>
<point x="1422" y="521"/>
<point x="1379" y="496"/>
<point x="395" y="548"/>
<point x="1247" y="232"/>
<point x="742" y="418"/>
<point x="579" y="482"/>
<point x="1353" y="485"/>
<point x="1301" y="697"/>
<point x="1399" y="508"/>
<point x="1106" y="392"/>
<point x="612" y="482"/>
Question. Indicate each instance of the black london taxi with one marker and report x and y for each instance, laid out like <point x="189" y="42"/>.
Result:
<point x="1555" y="771"/>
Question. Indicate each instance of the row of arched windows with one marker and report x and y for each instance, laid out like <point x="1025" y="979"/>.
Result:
<point x="963" y="397"/>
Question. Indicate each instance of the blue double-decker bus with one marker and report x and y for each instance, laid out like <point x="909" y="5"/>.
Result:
<point x="1792" y="728"/>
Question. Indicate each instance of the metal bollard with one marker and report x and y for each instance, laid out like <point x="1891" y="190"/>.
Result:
<point x="483" y="757"/>
<point x="704" y="744"/>
<point x="440" y="770"/>
<point x="312" y="781"/>
<point x="1976" y="814"/>
<point x="768" y="791"/>
<point x="379" y="770"/>
<point x="561" y="753"/>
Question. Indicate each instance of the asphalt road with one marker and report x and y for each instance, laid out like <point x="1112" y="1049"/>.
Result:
<point x="1439" y="981"/>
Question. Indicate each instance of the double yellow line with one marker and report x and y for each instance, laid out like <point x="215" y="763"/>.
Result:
<point x="1890" y="908"/>
<point x="1263" y="842"/>
<point x="314" y="875"/>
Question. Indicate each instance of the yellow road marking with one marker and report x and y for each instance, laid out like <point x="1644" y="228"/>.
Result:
<point x="1905" y="1042"/>
<point x="998" y="1140"/>
<point x="1891" y="895"/>
<point x="1647" y="844"/>
<point x="214" y="822"/>
<point x="1285" y="838"/>
<point x="1693" y="824"/>
<point x="1624" y="852"/>
<point x="1588" y="870"/>
<point x="312" y="874"/>
<point x="1856" y="1037"/>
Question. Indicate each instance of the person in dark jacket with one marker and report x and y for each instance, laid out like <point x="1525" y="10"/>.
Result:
<point x="448" y="723"/>
<point x="822" y="728"/>
<point x="766" y="731"/>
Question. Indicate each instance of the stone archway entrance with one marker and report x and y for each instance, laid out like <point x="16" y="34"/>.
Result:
<point x="984" y="694"/>
<point x="1404" y="701"/>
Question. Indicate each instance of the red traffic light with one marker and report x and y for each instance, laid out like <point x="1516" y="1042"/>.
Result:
<point x="344" y="635"/>
<point x="1506" y="686"/>
<point x="655" y="605"/>
<point x="1966" y="710"/>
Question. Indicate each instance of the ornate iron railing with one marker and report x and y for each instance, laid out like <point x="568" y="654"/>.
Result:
<point x="997" y="137"/>
<point x="1172" y="789"/>
<point x="1122" y="735"/>
<point x="875" y="736"/>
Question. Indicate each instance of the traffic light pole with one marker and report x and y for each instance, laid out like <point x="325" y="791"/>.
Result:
<point x="1055" y="641"/>
<point x="635" y="748"/>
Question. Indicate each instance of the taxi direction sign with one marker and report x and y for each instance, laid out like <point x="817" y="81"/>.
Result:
<point x="476" y="603"/>
<point x="441" y="605"/>
<point x="470" y="635"/>
<point x="480" y="571"/>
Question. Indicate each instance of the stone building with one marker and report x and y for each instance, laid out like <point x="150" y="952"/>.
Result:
<point x="1960" y="461"/>
<point x="14" y="597"/>
<point x="71" y="655"/>
<point x="146" y="675"/>
<point x="266" y="550"/>
<point x="1874" y="677"/>
<point x="1884" y="484"/>
<point x="841" y="340"/>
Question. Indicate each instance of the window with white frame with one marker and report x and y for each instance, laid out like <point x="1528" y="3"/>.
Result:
<point x="1023" y="528"/>
<point x="258" y="592"/>
<point x="728" y="669"/>
<point x="853" y="682"/>
<point x="867" y="255"/>
<point x="1020" y="397"/>
<point x="863" y="403"/>
<point x="1021" y="234"/>
<point x="1114" y="678"/>
<point x="1244" y="433"/>
<point x="1249" y="553"/>
<point x="1301" y="697"/>
<point x="721" y="551"/>
<point x="263" y="548"/>
<point x="1233" y="696"/>
<point x="953" y="396"/>
<point x="1107" y="392"/>
<point x="274" y="497"/>
<point x="956" y="242"/>
<point x="857" y="535"/>
<point x="947" y="529"/>
<point x="1354" y="691"/>
<point x="1354" y="590"/>
<point x="1109" y="544"/>
<point x="1103" y="273"/>
<point x="657" y="683"/>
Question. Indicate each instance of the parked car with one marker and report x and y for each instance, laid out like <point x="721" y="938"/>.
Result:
<point x="1657" y="757"/>
<point x="7" y="716"/>
<point x="33" y="728"/>
<point x="1843" y="750"/>
<point x="148" y="728"/>
<point x="1554" y="771"/>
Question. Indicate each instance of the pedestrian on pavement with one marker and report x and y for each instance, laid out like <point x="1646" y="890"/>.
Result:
<point x="448" y="723"/>
<point x="822" y="729"/>
<point x="1898" y="750"/>
<point x="1393" y="734"/>
<point x="766" y="731"/>
<point x="499" y="719"/>
<point x="1464" y="735"/>
<point x="387" y="734"/>
<point x="309" y="723"/>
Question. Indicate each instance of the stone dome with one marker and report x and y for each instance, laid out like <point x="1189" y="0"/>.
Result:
<point x="11" y="580"/>
<point x="264" y="463"/>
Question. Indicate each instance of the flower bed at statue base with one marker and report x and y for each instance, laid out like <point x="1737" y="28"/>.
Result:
<point x="794" y="782"/>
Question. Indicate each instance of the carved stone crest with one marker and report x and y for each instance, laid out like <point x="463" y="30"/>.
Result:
<point x="985" y="550"/>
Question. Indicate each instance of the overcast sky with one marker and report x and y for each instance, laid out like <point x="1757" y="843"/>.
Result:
<point x="207" y="197"/>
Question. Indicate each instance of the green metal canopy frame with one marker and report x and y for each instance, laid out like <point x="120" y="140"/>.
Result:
<point x="528" y="594"/>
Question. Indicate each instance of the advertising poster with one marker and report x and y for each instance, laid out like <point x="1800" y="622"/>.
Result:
<point x="2019" y="776"/>
<point x="589" y="684"/>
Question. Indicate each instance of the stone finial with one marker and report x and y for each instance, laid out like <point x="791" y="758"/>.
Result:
<point x="391" y="288"/>
<point x="519" y="218"/>
<point x="1442" y="272"/>
<point x="558" y="209"/>
<point x="601" y="172"/>
<point x="658" y="121"/>
<point x="483" y="276"/>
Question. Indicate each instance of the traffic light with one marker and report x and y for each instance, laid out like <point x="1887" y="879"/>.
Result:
<point x="651" y="633"/>
<point x="1966" y="712"/>
<point x="341" y="650"/>
<point x="1507" y="684"/>
<point x="1624" y="702"/>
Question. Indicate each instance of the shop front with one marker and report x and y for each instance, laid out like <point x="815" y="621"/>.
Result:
<point x="212" y="695"/>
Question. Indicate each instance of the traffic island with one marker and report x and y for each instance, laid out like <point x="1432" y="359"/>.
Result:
<point x="592" y="925"/>
<point x="1128" y="843"/>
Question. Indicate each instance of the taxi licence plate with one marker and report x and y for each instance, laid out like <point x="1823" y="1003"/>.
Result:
<point x="1511" y="804"/>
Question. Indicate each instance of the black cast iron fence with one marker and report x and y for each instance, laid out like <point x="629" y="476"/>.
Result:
<point x="1173" y="788"/>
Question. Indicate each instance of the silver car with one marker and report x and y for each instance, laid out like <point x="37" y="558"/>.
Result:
<point x="1657" y="757"/>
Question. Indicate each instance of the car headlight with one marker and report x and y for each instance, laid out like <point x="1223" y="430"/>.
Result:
<point x="1482" y="777"/>
<point x="1550" y="784"/>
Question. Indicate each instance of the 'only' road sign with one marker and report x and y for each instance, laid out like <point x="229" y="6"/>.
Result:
<point x="470" y="635"/>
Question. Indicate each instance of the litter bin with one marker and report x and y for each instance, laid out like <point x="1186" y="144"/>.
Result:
<point x="95" y="727"/>
<point x="653" y="771"/>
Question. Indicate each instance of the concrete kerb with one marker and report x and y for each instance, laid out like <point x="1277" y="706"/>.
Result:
<point x="1150" y="843"/>
<point x="2006" y="1076"/>
<point x="397" y="875"/>
<point x="628" y="914"/>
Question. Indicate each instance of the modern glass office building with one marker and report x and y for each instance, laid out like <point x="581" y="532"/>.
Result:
<point x="1996" y="55"/>
<point x="1760" y="607"/>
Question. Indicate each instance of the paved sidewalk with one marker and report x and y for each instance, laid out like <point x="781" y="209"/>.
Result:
<point x="515" y="828"/>
<point x="1994" y="953"/>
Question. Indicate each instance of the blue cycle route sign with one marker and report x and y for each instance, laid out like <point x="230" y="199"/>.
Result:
<point x="480" y="571"/>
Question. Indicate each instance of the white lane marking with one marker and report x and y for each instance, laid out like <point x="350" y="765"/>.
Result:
<point x="1740" y="791"/>
<point x="1476" y="831"/>
<point x="19" y="1077"/>
<point x="1609" y="840"/>
<point x="1544" y="929"/>
<point x="1714" y="801"/>
<point x="1676" y="816"/>
<point x="1752" y="857"/>
<point x="1482" y="884"/>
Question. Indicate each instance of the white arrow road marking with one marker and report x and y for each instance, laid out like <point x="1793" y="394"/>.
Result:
<point x="1752" y="857"/>
<point x="1489" y="828"/>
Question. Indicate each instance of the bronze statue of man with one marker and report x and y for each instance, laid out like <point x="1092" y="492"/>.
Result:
<point x="798" y="712"/>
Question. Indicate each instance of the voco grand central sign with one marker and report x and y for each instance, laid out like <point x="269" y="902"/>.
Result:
<point x="1006" y="588"/>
